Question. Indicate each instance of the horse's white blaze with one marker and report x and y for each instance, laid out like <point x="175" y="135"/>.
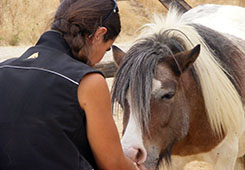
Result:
<point x="132" y="140"/>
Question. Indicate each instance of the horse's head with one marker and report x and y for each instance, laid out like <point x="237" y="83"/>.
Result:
<point x="149" y="87"/>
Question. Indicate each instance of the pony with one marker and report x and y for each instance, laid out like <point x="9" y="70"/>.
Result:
<point x="181" y="86"/>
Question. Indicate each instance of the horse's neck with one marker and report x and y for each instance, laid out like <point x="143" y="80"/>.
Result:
<point x="200" y="137"/>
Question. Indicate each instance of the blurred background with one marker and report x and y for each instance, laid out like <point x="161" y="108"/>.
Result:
<point x="23" y="21"/>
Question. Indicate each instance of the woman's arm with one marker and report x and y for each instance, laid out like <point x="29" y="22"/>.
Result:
<point x="94" y="98"/>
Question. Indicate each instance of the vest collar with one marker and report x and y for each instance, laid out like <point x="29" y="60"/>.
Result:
<point x="54" y="39"/>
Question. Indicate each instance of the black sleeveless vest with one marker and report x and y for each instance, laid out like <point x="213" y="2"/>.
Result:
<point x="42" y="126"/>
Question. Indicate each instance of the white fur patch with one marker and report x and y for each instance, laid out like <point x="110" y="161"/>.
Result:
<point x="156" y="86"/>
<point x="222" y="157"/>
<point x="226" y="19"/>
<point x="132" y="138"/>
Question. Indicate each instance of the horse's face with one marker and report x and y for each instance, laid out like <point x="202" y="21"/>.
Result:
<point x="168" y="116"/>
<point x="169" y="113"/>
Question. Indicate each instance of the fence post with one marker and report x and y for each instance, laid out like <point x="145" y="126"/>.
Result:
<point x="181" y="4"/>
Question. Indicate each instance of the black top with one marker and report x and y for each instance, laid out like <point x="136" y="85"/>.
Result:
<point x="42" y="126"/>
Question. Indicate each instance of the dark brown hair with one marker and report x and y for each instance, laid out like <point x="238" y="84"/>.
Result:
<point x="77" y="19"/>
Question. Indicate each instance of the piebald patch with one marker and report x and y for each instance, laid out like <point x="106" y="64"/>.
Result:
<point x="132" y="138"/>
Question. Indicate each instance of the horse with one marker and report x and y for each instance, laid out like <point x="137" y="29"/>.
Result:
<point x="181" y="86"/>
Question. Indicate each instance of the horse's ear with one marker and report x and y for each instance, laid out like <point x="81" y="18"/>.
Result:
<point x="118" y="54"/>
<point x="187" y="58"/>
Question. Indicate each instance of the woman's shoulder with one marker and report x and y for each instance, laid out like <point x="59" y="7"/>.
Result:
<point x="93" y="81"/>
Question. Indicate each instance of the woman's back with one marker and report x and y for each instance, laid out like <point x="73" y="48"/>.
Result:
<point x="42" y="122"/>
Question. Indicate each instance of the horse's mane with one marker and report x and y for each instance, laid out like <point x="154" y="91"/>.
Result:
<point x="222" y="101"/>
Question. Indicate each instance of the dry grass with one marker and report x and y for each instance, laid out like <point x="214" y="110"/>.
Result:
<point x="23" y="21"/>
<point x="134" y="13"/>
<point x="129" y="21"/>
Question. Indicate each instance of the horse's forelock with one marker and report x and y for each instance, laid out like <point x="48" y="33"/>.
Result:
<point x="137" y="71"/>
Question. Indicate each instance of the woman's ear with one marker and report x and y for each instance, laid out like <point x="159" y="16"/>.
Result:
<point x="99" y="33"/>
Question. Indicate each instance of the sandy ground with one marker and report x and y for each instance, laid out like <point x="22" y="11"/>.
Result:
<point x="10" y="52"/>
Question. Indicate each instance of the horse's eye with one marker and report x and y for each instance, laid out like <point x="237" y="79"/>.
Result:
<point x="168" y="96"/>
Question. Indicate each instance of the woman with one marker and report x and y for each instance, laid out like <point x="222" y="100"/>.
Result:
<point x="55" y="108"/>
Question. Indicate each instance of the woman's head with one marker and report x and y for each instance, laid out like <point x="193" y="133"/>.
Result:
<point x="79" y="21"/>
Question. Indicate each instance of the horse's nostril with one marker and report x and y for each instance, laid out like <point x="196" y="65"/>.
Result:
<point x="140" y="156"/>
<point x="136" y="154"/>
